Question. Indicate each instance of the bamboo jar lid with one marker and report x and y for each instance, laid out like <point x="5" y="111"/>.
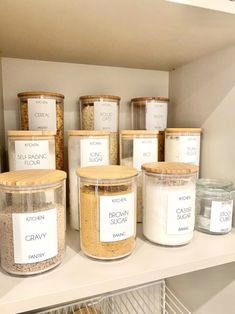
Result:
<point x="183" y="130"/>
<point x="95" y="97"/>
<point x="139" y="133"/>
<point x="88" y="133"/>
<point x="107" y="172"/>
<point x="170" y="168"/>
<point x="140" y="100"/>
<point x="27" y="178"/>
<point x="39" y="94"/>
<point x="17" y="133"/>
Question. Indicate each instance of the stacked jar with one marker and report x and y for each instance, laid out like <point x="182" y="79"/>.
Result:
<point x="31" y="150"/>
<point x="85" y="148"/>
<point x="102" y="113"/>
<point x="136" y="148"/>
<point x="44" y="111"/>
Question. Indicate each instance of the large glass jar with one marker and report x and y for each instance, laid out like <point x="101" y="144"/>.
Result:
<point x="149" y="113"/>
<point x="214" y="206"/>
<point x="136" y="148"/>
<point x="101" y="112"/>
<point x="107" y="201"/>
<point x="169" y="202"/>
<point x="44" y="111"/>
<point x="31" y="150"/>
<point x="32" y="220"/>
<point x="85" y="148"/>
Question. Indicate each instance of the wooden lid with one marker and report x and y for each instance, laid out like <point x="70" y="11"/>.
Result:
<point x="183" y="130"/>
<point x="87" y="133"/>
<point x="158" y="98"/>
<point x="27" y="178"/>
<point x="38" y="94"/>
<point x="93" y="97"/>
<point x="107" y="172"/>
<point x="124" y="133"/>
<point x="170" y="168"/>
<point x="17" y="133"/>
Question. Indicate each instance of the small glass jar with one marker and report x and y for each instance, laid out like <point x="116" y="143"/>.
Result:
<point x="214" y="206"/>
<point x="169" y="202"/>
<point x="183" y="145"/>
<point x="101" y="112"/>
<point x="44" y="111"/>
<point x="136" y="148"/>
<point x="107" y="202"/>
<point x="31" y="150"/>
<point x="149" y="113"/>
<point x="32" y="220"/>
<point x="85" y="148"/>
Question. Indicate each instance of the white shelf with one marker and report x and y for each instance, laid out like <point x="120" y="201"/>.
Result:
<point x="79" y="277"/>
<point x="153" y="34"/>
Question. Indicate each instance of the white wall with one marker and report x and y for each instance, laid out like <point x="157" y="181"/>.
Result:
<point x="2" y="139"/>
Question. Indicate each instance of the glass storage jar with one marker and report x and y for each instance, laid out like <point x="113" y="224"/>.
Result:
<point x="85" y="148"/>
<point x="183" y="145"/>
<point x="107" y="202"/>
<point x="44" y="111"/>
<point x="101" y="112"/>
<point x="136" y="148"/>
<point x="31" y="150"/>
<point x="149" y="113"/>
<point x="214" y="205"/>
<point x="32" y="220"/>
<point x="169" y="202"/>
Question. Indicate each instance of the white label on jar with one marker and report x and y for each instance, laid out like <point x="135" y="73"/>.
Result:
<point x="35" y="236"/>
<point x="221" y="216"/>
<point x="32" y="155"/>
<point x="106" y="116"/>
<point x="144" y="150"/>
<point x="94" y="152"/>
<point x="181" y="212"/>
<point x="42" y="114"/>
<point x="117" y="217"/>
<point x="156" y="115"/>
<point x="190" y="149"/>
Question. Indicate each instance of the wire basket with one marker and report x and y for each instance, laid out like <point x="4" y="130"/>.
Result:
<point x="153" y="298"/>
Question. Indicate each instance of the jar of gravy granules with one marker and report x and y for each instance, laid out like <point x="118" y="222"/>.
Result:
<point x="107" y="204"/>
<point x="32" y="220"/>
<point x="169" y="202"/>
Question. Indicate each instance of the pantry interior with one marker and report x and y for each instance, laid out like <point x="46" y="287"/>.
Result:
<point x="184" y="52"/>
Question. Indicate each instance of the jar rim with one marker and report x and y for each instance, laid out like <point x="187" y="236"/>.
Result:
<point x="213" y="184"/>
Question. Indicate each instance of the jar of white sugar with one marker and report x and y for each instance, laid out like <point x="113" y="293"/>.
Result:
<point x="31" y="150"/>
<point x="136" y="148"/>
<point x="85" y="148"/>
<point x="32" y="220"/>
<point x="183" y="145"/>
<point x="169" y="202"/>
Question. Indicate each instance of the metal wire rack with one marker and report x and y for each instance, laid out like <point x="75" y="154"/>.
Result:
<point x="153" y="298"/>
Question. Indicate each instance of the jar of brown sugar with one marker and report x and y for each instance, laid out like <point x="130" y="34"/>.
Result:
<point x="44" y="111"/>
<point x="32" y="220"/>
<point x="101" y="112"/>
<point x="107" y="203"/>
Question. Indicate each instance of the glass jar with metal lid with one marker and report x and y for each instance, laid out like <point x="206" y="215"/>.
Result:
<point x="107" y="202"/>
<point x="214" y="205"/>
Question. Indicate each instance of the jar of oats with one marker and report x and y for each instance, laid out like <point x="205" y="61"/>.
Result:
<point x="107" y="201"/>
<point x="44" y="111"/>
<point x="31" y="150"/>
<point x="32" y="220"/>
<point x="102" y="113"/>
<point x="85" y="148"/>
<point x="136" y="148"/>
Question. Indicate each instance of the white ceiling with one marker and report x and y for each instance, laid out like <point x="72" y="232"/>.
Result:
<point x="151" y="34"/>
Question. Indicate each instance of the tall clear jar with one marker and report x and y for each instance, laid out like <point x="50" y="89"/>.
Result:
<point x="183" y="145"/>
<point x="101" y="112"/>
<point x="31" y="150"/>
<point x="149" y="113"/>
<point x="85" y="148"/>
<point x="169" y="202"/>
<point x="214" y="206"/>
<point x="32" y="220"/>
<point x="107" y="200"/>
<point x="136" y="148"/>
<point x="44" y="111"/>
